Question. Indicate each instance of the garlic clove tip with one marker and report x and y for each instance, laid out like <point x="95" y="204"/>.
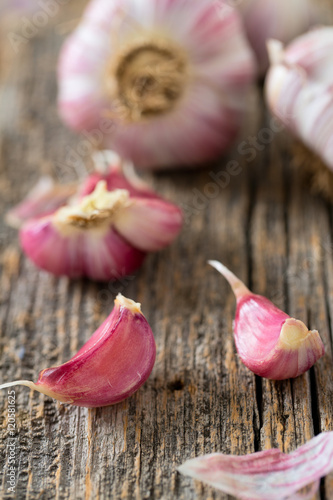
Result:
<point x="238" y="287"/>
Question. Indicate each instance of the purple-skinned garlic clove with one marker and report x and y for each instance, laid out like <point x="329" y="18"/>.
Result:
<point x="110" y="367"/>
<point x="269" y="342"/>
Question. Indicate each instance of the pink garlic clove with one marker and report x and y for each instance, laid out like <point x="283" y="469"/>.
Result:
<point x="268" y="341"/>
<point x="268" y="474"/>
<point x="102" y="236"/>
<point x="164" y="85"/>
<point x="149" y="224"/>
<point x="110" y="367"/>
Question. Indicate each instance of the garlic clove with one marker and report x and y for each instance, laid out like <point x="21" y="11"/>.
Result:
<point x="268" y="341"/>
<point x="266" y="474"/>
<point x="148" y="224"/>
<point x="110" y="367"/>
<point x="169" y="79"/>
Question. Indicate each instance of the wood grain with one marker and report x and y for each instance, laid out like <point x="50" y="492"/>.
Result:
<point x="264" y="225"/>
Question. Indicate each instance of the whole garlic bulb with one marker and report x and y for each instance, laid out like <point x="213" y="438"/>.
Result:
<point x="299" y="91"/>
<point x="165" y="83"/>
<point x="282" y="19"/>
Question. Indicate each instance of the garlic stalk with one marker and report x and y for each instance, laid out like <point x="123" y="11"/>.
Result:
<point x="110" y="367"/>
<point x="299" y="92"/>
<point x="164" y="83"/>
<point x="283" y="20"/>
<point x="269" y="342"/>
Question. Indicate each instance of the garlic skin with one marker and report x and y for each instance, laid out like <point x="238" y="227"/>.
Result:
<point x="268" y="474"/>
<point x="170" y="79"/>
<point x="43" y="199"/>
<point x="299" y="89"/>
<point x="104" y="235"/>
<point x="109" y="368"/>
<point x="269" y="342"/>
<point x="283" y="20"/>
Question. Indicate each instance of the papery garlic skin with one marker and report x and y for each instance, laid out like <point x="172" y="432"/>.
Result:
<point x="268" y="341"/>
<point x="45" y="197"/>
<point x="103" y="236"/>
<point x="165" y="82"/>
<point x="283" y="20"/>
<point x="268" y="474"/>
<point x="109" y="368"/>
<point x="299" y="89"/>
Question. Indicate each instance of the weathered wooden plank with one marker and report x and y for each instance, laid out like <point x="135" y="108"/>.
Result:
<point x="263" y="224"/>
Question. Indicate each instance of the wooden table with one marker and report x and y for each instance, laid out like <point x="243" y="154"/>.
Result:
<point x="264" y="224"/>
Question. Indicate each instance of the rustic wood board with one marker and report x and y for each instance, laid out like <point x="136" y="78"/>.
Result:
<point x="264" y="224"/>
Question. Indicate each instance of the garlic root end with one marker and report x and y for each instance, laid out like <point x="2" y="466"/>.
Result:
<point x="27" y="383"/>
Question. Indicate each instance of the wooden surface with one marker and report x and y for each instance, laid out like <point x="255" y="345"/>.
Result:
<point x="264" y="225"/>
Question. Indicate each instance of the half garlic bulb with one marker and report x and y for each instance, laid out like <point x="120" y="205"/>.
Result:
<point x="101" y="229"/>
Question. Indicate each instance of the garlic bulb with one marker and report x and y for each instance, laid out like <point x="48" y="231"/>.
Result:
<point x="102" y="232"/>
<point x="299" y="91"/>
<point x="283" y="20"/>
<point x="163" y="83"/>
<point x="268" y="341"/>
<point x="110" y="367"/>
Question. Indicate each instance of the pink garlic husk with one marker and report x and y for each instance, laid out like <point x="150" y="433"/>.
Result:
<point x="109" y="368"/>
<point x="103" y="236"/>
<point x="269" y="342"/>
<point x="43" y="199"/>
<point x="299" y="89"/>
<point x="268" y="474"/>
<point x="283" y="20"/>
<point x="165" y="84"/>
